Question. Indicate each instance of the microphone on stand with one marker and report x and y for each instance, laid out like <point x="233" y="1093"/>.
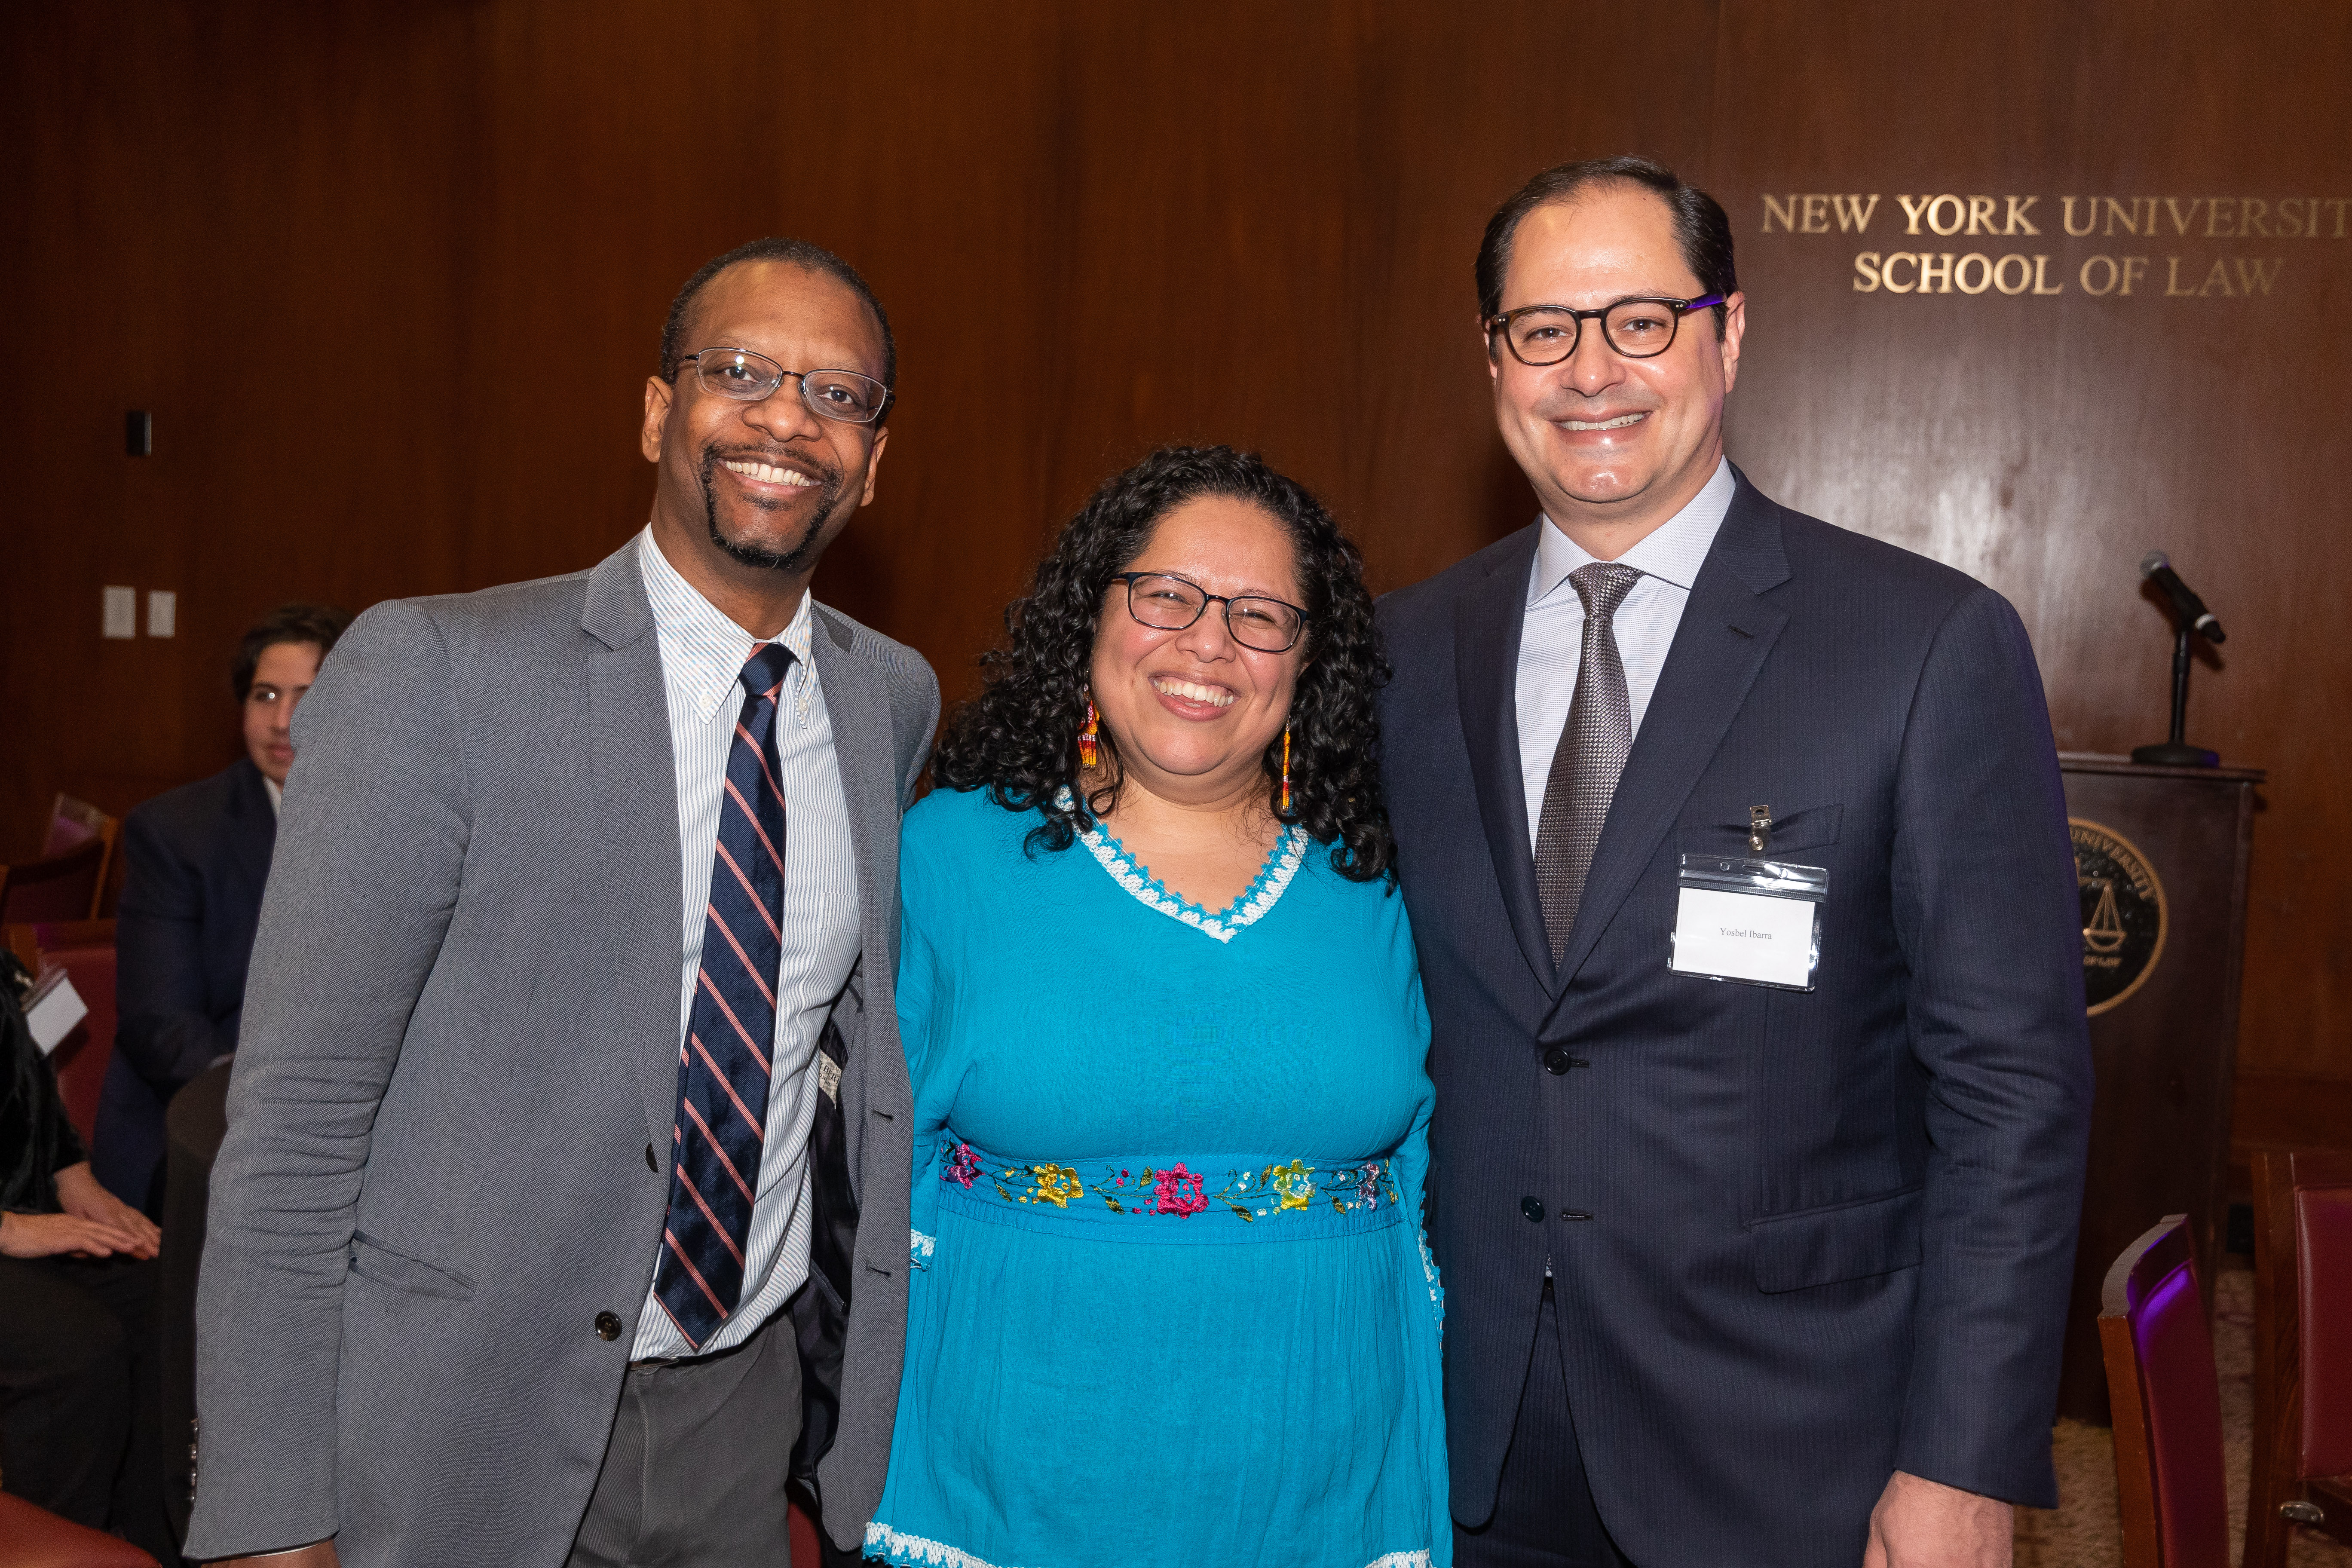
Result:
<point x="2158" y="569"/>
<point x="2191" y="618"/>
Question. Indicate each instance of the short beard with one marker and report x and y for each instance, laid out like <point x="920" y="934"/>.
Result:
<point x="792" y="562"/>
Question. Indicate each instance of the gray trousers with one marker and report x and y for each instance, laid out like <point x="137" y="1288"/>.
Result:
<point x="695" y="1470"/>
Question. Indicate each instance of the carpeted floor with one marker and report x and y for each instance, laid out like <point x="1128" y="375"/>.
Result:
<point x="2081" y="1532"/>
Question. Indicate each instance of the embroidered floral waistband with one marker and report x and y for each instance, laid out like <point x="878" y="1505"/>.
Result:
<point x="1220" y="1194"/>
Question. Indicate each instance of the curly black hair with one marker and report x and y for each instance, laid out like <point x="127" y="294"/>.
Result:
<point x="1019" y="737"/>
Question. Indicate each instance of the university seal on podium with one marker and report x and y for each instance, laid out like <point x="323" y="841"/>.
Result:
<point x="2123" y="913"/>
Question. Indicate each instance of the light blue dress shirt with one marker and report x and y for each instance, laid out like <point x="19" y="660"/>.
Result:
<point x="1551" y="643"/>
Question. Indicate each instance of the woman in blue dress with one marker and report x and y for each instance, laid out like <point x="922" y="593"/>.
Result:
<point x="1171" y="1305"/>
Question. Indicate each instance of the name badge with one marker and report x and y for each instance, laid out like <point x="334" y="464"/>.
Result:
<point x="1755" y="921"/>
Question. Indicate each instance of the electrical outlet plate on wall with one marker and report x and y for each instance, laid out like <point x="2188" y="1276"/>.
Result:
<point x="120" y="611"/>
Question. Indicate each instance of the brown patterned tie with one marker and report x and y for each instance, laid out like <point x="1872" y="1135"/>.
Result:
<point x="1591" y="755"/>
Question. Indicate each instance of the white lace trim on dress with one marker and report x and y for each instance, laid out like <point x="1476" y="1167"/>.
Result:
<point x="1436" y="1288"/>
<point x="1289" y="854"/>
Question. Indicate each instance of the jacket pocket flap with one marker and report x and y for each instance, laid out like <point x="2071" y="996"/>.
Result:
<point x="1852" y="1241"/>
<point x="403" y="1271"/>
<point x="1811" y="828"/>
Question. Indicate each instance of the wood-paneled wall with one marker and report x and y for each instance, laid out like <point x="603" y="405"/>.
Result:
<point x="391" y="275"/>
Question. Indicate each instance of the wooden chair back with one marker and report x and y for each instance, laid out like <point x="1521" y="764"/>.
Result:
<point x="2158" y="1347"/>
<point x="73" y="822"/>
<point x="65" y="887"/>
<point x="2303" y="1350"/>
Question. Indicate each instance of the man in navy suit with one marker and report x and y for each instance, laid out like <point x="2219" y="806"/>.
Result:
<point x="1749" y="1258"/>
<point x="198" y="857"/>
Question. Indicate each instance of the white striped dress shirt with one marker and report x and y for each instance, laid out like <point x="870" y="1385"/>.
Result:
<point x="702" y="654"/>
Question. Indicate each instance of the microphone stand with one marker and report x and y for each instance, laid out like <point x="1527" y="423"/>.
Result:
<point x="2176" y="753"/>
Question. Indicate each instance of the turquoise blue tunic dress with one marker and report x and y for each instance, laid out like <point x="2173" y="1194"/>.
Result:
<point x="1171" y="1305"/>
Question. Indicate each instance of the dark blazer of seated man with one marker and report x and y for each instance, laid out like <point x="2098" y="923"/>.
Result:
<point x="196" y="858"/>
<point x="570" y="1084"/>
<point x="1735" y="1273"/>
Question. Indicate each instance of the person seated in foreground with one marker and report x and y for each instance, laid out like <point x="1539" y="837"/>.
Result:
<point x="197" y="857"/>
<point x="78" y="1422"/>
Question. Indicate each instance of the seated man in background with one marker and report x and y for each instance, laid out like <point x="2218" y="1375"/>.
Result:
<point x="78" y="1423"/>
<point x="197" y="859"/>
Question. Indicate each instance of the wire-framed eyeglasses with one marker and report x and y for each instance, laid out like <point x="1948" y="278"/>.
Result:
<point x="1170" y="604"/>
<point x="1639" y="327"/>
<point x="749" y="378"/>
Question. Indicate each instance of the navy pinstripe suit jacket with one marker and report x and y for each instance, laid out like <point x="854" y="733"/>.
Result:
<point x="1831" y="1233"/>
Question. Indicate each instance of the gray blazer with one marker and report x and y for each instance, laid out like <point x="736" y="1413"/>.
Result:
<point x="449" y="1127"/>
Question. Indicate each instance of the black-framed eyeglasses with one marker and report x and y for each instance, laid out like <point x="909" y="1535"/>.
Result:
<point x="1168" y="602"/>
<point x="1639" y="327"/>
<point x="749" y="378"/>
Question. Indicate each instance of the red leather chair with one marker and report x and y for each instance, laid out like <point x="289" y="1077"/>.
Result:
<point x="2167" y="1398"/>
<point x="86" y="949"/>
<point x="63" y="887"/>
<point x="2303" y="1350"/>
<point x="34" y="1538"/>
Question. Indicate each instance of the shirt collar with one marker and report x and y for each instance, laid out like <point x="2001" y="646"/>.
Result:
<point x="1673" y="550"/>
<point x="702" y="650"/>
<point x="276" y="794"/>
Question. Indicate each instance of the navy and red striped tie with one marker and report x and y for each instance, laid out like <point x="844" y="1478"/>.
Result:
<point x="723" y="1067"/>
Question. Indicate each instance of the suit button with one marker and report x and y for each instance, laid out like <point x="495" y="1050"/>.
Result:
<point x="608" y="1324"/>
<point x="1532" y="1208"/>
<point x="1556" y="1061"/>
<point x="649" y="1161"/>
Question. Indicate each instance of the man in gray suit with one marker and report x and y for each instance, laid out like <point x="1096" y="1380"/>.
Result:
<point x="517" y="1180"/>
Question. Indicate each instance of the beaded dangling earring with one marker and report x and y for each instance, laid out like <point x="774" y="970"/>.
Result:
<point x="1089" y="751"/>
<point x="1286" y="768"/>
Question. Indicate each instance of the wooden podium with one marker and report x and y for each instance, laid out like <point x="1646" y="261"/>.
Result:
<point x="2161" y="854"/>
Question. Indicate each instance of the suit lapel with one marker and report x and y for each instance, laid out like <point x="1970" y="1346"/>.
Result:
<point x="1722" y="640"/>
<point x="858" y="708"/>
<point x="636" y="788"/>
<point x="1488" y="619"/>
<point x="255" y="838"/>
